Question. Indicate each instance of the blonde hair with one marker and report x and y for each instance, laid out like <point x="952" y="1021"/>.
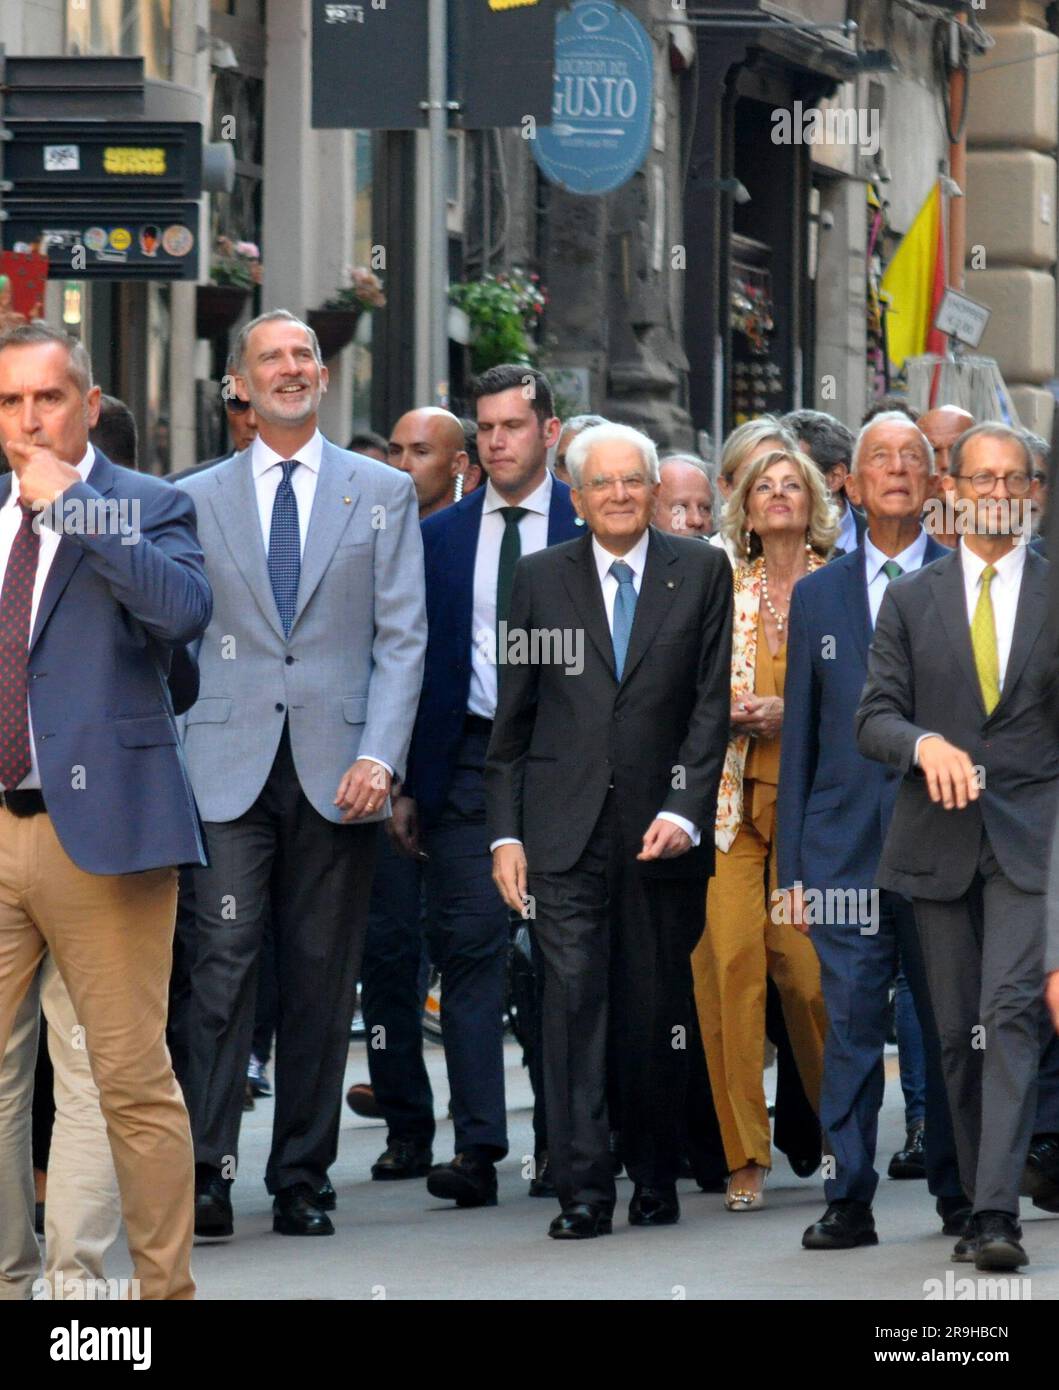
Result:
<point x="747" y="437"/>
<point x="823" y="525"/>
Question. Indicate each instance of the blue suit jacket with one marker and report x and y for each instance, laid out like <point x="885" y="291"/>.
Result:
<point x="834" y="806"/>
<point x="450" y="544"/>
<point x="111" y="768"/>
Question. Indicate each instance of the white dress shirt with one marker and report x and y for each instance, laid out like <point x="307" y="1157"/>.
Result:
<point x="533" y="536"/>
<point x="911" y="558"/>
<point x="636" y="559"/>
<point x="10" y="521"/>
<point x="265" y="463"/>
<point x="1004" y="593"/>
<point x="847" y="530"/>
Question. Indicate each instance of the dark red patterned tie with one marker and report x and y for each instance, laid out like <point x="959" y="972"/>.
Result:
<point x="16" y="606"/>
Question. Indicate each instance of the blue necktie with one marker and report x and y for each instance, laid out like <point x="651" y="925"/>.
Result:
<point x="624" y="611"/>
<point x="284" y="548"/>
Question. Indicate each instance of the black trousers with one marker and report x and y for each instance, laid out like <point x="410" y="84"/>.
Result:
<point x="313" y="877"/>
<point x="392" y="990"/>
<point x="616" y="946"/>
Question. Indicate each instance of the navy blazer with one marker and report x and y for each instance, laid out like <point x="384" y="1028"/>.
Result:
<point x="111" y="767"/>
<point x="450" y="545"/>
<point x="834" y="806"/>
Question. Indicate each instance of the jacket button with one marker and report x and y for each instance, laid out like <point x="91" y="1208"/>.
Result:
<point x="279" y="709"/>
<point x="289" y="660"/>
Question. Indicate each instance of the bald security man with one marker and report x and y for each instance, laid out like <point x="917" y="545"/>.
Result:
<point x="943" y="427"/>
<point x="429" y="445"/>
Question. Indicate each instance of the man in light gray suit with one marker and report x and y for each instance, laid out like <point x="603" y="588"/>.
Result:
<point x="310" y="676"/>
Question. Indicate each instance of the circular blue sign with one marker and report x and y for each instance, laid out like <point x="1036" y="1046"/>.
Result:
<point x="602" y="108"/>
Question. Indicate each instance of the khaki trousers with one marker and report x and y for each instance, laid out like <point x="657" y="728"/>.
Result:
<point x="111" y="936"/>
<point x="83" y="1212"/>
<point x="740" y="947"/>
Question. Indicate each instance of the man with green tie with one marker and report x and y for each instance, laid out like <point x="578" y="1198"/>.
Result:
<point x="953" y="699"/>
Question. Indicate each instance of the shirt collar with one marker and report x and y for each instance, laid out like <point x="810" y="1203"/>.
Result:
<point x="262" y="457"/>
<point x="539" y="500"/>
<point x="911" y="558"/>
<point x="84" y="468"/>
<point x="1008" y="570"/>
<point x="636" y="558"/>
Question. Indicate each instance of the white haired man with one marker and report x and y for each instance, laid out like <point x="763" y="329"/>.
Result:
<point x="684" y="505"/>
<point x="616" y="883"/>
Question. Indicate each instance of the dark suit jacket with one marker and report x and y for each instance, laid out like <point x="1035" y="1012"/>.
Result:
<point x="922" y="679"/>
<point x="834" y="805"/>
<point x="97" y="666"/>
<point x="450" y="545"/>
<point x="660" y="735"/>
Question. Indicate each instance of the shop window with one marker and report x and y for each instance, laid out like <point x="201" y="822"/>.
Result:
<point x="126" y="28"/>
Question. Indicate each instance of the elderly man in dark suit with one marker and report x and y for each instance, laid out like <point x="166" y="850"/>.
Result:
<point x="956" y="676"/>
<point x="834" y="808"/>
<point x="604" y="838"/>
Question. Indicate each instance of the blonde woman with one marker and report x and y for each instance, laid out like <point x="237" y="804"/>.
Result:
<point x="746" y="443"/>
<point x="779" y="518"/>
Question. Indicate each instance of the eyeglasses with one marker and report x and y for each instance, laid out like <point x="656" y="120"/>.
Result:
<point x="790" y="486"/>
<point x="636" y="482"/>
<point x="235" y="405"/>
<point x="1018" y="484"/>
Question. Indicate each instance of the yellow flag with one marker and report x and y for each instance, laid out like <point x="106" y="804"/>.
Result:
<point x="914" y="283"/>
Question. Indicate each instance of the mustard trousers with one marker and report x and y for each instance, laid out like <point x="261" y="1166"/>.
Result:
<point x="740" y="947"/>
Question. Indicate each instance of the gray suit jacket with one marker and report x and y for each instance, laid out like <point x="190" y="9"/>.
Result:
<point x="347" y="678"/>
<point x="922" y="679"/>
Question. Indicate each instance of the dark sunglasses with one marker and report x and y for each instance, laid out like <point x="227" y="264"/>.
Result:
<point x="236" y="406"/>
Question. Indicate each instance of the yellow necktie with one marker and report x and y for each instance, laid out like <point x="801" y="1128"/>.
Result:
<point x="983" y="643"/>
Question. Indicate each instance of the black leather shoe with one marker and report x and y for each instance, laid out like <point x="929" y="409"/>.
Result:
<point x="296" y="1212"/>
<point x="955" y="1212"/>
<point x="467" y="1181"/>
<point x="541" y="1184"/>
<point x="845" y="1225"/>
<point x="402" y="1158"/>
<point x="997" y="1241"/>
<point x="1040" y="1177"/>
<point x="326" y="1197"/>
<point x="582" y="1221"/>
<point x="963" y="1251"/>
<point x="911" y="1161"/>
<point x="213" y="1205"/>
<point x="654" y="1206"/>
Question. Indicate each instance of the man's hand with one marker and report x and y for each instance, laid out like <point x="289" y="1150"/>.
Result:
<point x="795" y="906"/>
<point x="363" y="789"/>
<point x="949" y="772"/>
<point x="1051" y="997"/>
<point x="41" y="475"/>
<point x="509" y="875"/>
<point x="403" y="827"/>
<point x="664" y="840"/>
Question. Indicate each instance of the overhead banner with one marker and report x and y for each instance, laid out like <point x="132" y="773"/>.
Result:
<point x="602" y="103"/>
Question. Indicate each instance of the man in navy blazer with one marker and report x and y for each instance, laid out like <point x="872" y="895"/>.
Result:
<point x="834" y="808"/>
<point x="102" y="577"/>
<point x="470" y="551"/>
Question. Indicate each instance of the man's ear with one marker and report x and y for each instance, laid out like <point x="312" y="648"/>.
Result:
<point x="836" y="476"/>
<point x="552" y="430"/>
<point x="575" y="498"/>
<point x="460" y="463"/>
<point x="853" y="491"/>
<point x="93" y="402"/>
<point x="325" y="377"/>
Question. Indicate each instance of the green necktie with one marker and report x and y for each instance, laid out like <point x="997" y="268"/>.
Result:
<point x="510" y="551"/>
<point x="892" y="569"/>
<point x="983" y="643"/>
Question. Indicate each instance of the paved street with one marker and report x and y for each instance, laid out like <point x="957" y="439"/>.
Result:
<point x="395" y="1241"/>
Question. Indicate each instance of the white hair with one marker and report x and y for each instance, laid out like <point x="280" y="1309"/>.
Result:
<point x="586" y="441"/>
<point x="891" y="417"/>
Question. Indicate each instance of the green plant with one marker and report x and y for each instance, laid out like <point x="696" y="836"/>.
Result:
<point x="364" y="291"/>
<point x="504" y="311"/>
<point x="235" y="263"/>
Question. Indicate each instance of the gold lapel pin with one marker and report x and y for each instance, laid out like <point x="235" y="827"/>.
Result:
<point x="347" y="500"/>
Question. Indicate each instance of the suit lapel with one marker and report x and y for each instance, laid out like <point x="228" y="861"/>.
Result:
<point x="69" y="554"/>
<point x="947" y="578"/>
<point x="855" y="593"/>
<point x="582" y="584"/>
<point x="234" y="503"/>
<point x="330" y="516"/>
<point x="659" y="584"/>
<point x="1029" y="619"/>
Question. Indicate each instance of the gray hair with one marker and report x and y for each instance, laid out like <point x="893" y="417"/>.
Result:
<point x="238" y="353"/>
<point x="1039" y="448"/>
<point x="32" y="334"/>
<point x="892" y="417"/>
<point x="577" y="423"/>
<point x="608" y="432"/>
<point x="991" y="429"/>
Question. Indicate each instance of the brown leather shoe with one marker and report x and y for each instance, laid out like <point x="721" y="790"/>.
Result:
<point x="361" y="1100"/>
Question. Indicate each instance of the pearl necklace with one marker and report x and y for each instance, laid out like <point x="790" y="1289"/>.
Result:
<point x="814" y="563"/>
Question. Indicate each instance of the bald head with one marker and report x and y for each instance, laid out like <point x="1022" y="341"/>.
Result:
<point x="428" y="444"/>
<point x="684" y="504"/>
<point x="943" y="427"/>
